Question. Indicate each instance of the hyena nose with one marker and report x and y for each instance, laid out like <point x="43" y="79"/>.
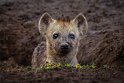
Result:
<point x="64" y="46"/>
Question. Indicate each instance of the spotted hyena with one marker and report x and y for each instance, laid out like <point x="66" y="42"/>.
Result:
<point x="62" y="40"/>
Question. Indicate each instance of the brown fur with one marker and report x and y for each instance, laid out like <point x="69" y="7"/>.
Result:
<point x="48" y="27"/>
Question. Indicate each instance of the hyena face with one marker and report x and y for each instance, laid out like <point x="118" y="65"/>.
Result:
<point x="62" y="37"/>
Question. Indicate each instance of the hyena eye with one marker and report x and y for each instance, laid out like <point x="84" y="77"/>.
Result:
<point x="72" y="36"/>
<point x="55" y="35"/>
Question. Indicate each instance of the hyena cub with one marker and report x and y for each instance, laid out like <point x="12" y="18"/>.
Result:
<point x="62" y="40"/>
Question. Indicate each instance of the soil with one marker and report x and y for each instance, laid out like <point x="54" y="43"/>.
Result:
<point x="103" y="44"/>
<point x="10" y="72"/>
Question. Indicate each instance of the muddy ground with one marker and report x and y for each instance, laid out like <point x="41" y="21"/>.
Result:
<point x="103" y="44"/>
<point x="10" y="72"/>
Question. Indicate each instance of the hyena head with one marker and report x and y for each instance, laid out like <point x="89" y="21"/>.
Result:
<point x="62" y="36"/>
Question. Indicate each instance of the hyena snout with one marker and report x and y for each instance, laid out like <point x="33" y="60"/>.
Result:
<point x="64" y="48"/>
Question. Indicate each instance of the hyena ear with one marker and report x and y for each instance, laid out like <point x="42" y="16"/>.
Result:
<point x="44" y="23"/>
<point x="81" y="23"/>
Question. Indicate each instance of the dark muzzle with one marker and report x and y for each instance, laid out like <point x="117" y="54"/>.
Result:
<point x="64" y="48"/>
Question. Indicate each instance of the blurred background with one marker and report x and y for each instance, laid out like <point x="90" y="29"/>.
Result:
<point x="103" y="44"/>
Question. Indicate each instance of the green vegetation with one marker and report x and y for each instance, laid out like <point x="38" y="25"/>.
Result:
<point x="89" y="66"/>
<point x="55" y="66"/>
<point x="50" y="66"/>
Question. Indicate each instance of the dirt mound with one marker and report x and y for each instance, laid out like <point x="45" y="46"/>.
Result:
<point x="12" y="73"/>
<point x="19" y="33"/>
<point x="102" y="76"/>
<point x="107" y="48"/>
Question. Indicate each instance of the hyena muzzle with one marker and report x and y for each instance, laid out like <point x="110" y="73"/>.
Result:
<point x="62" y="39"/>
